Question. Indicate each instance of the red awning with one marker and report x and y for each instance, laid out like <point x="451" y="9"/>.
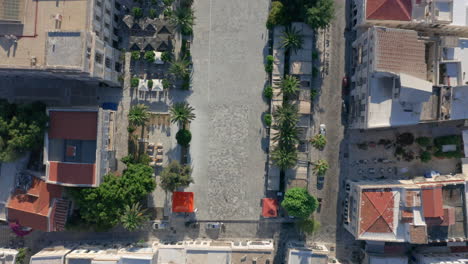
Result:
<point x="270" y="207"/>
<point x="182" y="202"/>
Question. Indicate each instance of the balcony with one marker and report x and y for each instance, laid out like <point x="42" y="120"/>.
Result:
<point x="443" y="11"/>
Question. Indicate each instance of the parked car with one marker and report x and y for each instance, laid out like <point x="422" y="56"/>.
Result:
<point x="323" y="129"/>
<point x="345" y="86"/>
<point x="214" y="225"/>
<point x="320" y="181"/>
<point x="160" y="225"/>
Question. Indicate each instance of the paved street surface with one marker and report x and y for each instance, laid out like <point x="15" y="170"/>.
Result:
<point x="328" y="111"/>
<point x="227" y="135"/>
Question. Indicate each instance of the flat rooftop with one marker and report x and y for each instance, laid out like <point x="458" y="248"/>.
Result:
<point x="54" y="49"/>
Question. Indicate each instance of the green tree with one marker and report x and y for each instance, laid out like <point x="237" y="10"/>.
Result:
<point x="269" y="63"/>
<point x="175" y="176"/>
<point x="149" y="56"/>
<point x="319" y="141"/>
<point x="268" y="92"/>
<point x="150" y="84"/>
<point x="21" y="255"/>
<point x="103" y="207"/>
<point x="299" y="203"/>
<point x="291" y="39"/>
<point x="289" y="85"/>
<point x="166" y="83"/>
<point x="321" y="167"/>
<point x="134" y="82"/>
<point x="133" y="217"/>
<point x="184" y="19"/>
<point x="425" y="156"/>
<point x="423" y="141"/>
<point x="138" y="115"/>
<point x="284" y="158"/>
<point x="277" y="15"/>
<point x="137" y="12"/>
<point x="309" y="226"/>
<point x="267" y="119"/>
<point x="135" y="55"/>
<point x="182" y="113"/>
<point x="320" y="14"/>
<point x="286" y="135"/>
<point x="286" y="114"/>
<point x="152" y="13"/>
<point x="166" y="56"/>
<point x="180" y="68"/>
<point x="183" y="137"/>
<point x="168" y="2"/>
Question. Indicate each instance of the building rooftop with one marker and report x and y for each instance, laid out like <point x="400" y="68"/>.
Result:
<point x="389" y="10"/>
<point x="377" y="211"/>
<point x="306" y="256"/>
<point x="33" y="207"/>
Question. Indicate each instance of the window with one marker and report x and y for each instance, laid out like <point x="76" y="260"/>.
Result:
<point x="116" y="18"/>
<point x="106" y="25"/>
<point x="106" y="39"/>
<point x="88" y="52"/>
<point x="108" y="11"/>
<point x="116" y="31"/>
<point x="98" y="18"/>
<point x="118" y="67"/>
<point x="98" y="58"/>
<point x="108" y="63"/>
<point x="117" y="6"/>
<point x="98" y="3"/>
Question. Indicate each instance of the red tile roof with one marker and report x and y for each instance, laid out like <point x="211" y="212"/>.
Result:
<point x="72" y="173"/>
<point x="269" y="207"/>
<point x="377" y="211"/>
<point x="432" y="201"/>
<point x="399" y="10"/>
<point x="73" y="125"/>
<point x="182" y="202"/>
<point x="32" y="210"/>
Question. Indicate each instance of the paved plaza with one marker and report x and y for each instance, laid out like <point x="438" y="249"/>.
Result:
<point x="227" y="151"/>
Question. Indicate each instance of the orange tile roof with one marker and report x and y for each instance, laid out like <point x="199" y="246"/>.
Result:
<point x="32" y="211"/>
<point x="72" y="173"/>
<point x="377" y="211"/>
<point x="400" y="51"/>
<point x="73" y="125"/>
<point x="432" y="202"/>
<point x="399" y="10"/>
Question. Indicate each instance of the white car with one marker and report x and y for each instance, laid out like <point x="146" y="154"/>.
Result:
<point x="214" y="225"/>
<point x="323" y="129"/>
<point x="160" y="225"/>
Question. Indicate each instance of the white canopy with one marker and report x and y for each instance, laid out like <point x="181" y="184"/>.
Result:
<point x="157" y="57"/>
<point x="143" y="85"/>
<point x="157" y="85"/>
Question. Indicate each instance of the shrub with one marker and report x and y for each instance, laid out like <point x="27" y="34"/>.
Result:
<point x="167" y="12"/>
<point x="137" y="12"/>
<point x="168" y="2"/>
<point x="131" y="129"/>
<point x="152" y="13"/>
<point x="267" y="119"/>
<point x="149" y="56"/>
<point x="21" y="255"/>
<point x="315" y="72"/>
<point x="135" y="55"/>
<point x="423" y="141"/>
<point x="166" y="83"/>
<point x="184" y="137"/>
<point x="277" y="15"/>
<point x="134" y="82"/>
<point x="268" y="92"/>
<point x="319" y="141"/>
<point x="309" y="226"/>
<point x="425" y="156"/>
<point x="315" y="55"/>
<point x="269" y="64"/>
<point x="321" y="167"/>
<point x="166" y="56"/>
<point x="448" y="140"/>
<point x="299" y="203"/>
<point x="150" y="84"/>
<point x="405" y="139"/>
<point x="313" y="94"/>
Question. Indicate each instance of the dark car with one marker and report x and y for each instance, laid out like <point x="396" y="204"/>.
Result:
<point x="345" y="86"/>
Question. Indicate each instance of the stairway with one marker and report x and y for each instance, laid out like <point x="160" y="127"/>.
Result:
<point x="60" y="215"/>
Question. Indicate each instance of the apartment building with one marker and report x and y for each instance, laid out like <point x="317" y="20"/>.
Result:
<point x="63" y="39"/>
<point x="418" y="211"/>
<point x="437" y="16"/>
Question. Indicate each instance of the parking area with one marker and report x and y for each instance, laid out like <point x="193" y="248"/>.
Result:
<point x="375" y="154"/>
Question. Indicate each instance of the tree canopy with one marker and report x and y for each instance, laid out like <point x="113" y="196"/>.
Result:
<point x="104" y="206"/>
<point x="133" y="217"/>
<point x="299" y="203"/>
<point x="138" y="115"/>
<point x="182" y="112"/>
<point x="22" y="128"/>
<point x="277" y="15"/>
<point x="184" y="19"/>
<point x="176" y="175"/>
<point x="320" y="14"/>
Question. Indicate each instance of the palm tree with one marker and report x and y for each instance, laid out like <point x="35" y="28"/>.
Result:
<point x="287" y="114"/>
<point x="138" y="115"/>
<point x="180" y="68"/>
<point x="286" y="136"/>
<point x="133" y="217"/>
<point x="183" y="19"/>
<point x="284" y="158"/>
<point x="320" y="167"/>
<point x="289" y="85"/>
<point x="182" y="112"/>
<point x="291" y="39"/>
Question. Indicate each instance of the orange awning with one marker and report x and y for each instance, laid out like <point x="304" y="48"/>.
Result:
<point x="182" y="202"/>
<point x="270" y="207"/>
